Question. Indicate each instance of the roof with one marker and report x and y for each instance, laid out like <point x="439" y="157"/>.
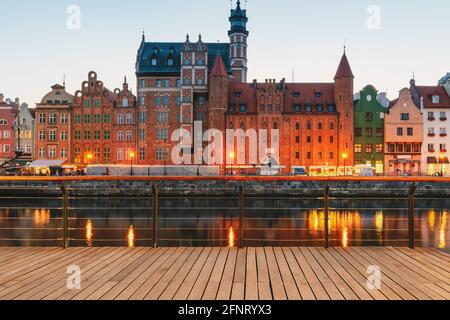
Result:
<point x="218" y="68"/>
<point x="58" y="95"/>
<point x="427" y="92"/>
<point x="344" y="69"/>
<point x="164" y="50"/>
<point x="46" y="163"/>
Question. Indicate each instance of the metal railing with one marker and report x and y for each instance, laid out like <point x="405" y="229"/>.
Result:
<point x="239" y="196"/>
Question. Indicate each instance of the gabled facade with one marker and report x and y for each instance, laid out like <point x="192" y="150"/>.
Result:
<point x="8" y="113"/>
<point x="24" y="131"/>
<point x="369" y="130"/>
<point x="435" y="104"/>
<point x="404" y="136"/>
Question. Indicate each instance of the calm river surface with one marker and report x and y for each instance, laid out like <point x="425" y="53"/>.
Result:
<point x="215" y="222"/>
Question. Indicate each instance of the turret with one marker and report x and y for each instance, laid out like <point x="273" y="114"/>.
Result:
<point x="238" y="43"/>
<point x="218" y="94"/>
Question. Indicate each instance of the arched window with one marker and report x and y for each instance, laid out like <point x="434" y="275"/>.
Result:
<point x="265" y="125"/>
<point x="319" y="126"/>
<point x="125" y="102"/>
<point x="231" y="126"/>
<point x="309" y="125"/>
<point x="275" y="125"/>
<point x="297" y="126"/>
<point x="331" y="125"/>
<point x="242" y="125"/>
<point x="3" y="122"/>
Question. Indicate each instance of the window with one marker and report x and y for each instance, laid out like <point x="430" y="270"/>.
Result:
<point x="178" y="83"/>
<point x="308" y="155"/>
<point x="52" y="135"/>
<point x="319" y="126"/>
<point x="162" y="133"/>
<point x="201" y="101"/>
<point x="41" y="152"/>
<point x="443" y="116"/>
<point x="404" y="116"/>
<point x="399" y="131"/>
<point x="87" y="103"/>
<point x="96" y="134"/>
<point x="142" y="117"/>
<point x="52" y="118"/>
<point x="297" y="139"/>
<point x="308" y="139"/>
<point x="142" y="100"/>
<point x="64" y="135"/>
<point x="408" y="148"/>
<point x="297" y="108"/>
<point x="87" y="118"/>
<point x="443" y="132"/>
<point x="167" y="83"/>
<point x="41" y="118"/>
<point x="4" y="122"/>
<point x="87" y="134"/>
<point x="77" y="134"/>
<point x="187" y="99"/>
<point x="309" y="125"/>
<point x="369" y="116"/>
<point x="77" y="118"/>
<point x="436" y="99"/>
<point x="331" y="155"/>
<point x="410" y="132"/>
<point x="154" y="62"/>
<point x="296" y="94"/>
<point x="119" y="136"/>
<point x="63" y="153"/>
<point x="199" y="82"/>
<point x="368" y="148"/>
<point x="399" y="148"/>
<point x="97" y="103"/>
<point x="431" y="116"/>
<point x="391" y="147"/>
<point x="141" y="134"/>
<point x="107" y="154"/>
<point x="379" y="148"/>
<point x="64" y="119"/>
<point x="129" y="118"/>
<point x="243" y="108"/>
<point x="141" y="153"/>
<point x="120" y="154"/>
<point x="331" y="108"/>
<point x="308" y="108"/>
<point x="187" y="62"/>
<point x="358" y="148"/>
<point x="416" y="148"/>
<point x="129" y="136"/>
<point x="170" y="62"/>
<point x="120" y="119"/>
<point x="166" y="101"/>
<point x="42" y="135"/>
<point x="161" y="154"/>
<point x="430" y="147"/>
<point x="331" y="139"/>
<point x="431" y="132"/>
<point x="231" y="108"/>
<point x="162" y="117"/>
<point x="107" y="135"/>
<point x="297" y="155"/>
<point x="142" y="83"/>
<point x="319" y="108"/>
<point x="106" y="118"/>
<point x="319" y="140"/>
<point x="379" y="132"/>
<point x="368" y="132"/>
<point x="125" y="102"/>
<point x="443" y="147"/>
<point x="157" y="100"/>
<point x="52" y="152"/>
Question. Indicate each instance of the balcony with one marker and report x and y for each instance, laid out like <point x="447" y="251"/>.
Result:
<point x="443" y="118"/>
<point x="431" y="118"/>
<point x="443" y="135"/>
<point x="431" y="135"/>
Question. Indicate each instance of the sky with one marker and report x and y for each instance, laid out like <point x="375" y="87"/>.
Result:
<point x="387" y="41"/>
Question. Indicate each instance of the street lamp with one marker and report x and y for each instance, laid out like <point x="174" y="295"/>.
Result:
<point x="89" y="157"/>
<point x="132" y="155"/>
<point x="345" y="157"/>
<point x="441" y="162"/>
<point x="232" y="156"/>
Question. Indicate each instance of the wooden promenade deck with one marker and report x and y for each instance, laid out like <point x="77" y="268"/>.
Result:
<point x="224" y="274"/>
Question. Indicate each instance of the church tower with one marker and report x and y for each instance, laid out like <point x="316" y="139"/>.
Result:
<point x="238" y="43"/>
<point x="343" y="91"/>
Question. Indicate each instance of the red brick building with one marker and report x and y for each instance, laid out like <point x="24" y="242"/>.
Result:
<point x="8" y="113"/>
<point x="181" y="83"/>
<point x="103" y="129"/>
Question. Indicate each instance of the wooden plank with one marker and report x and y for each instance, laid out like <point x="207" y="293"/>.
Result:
<point x="264" y="289"/>
<point x="425" y="261"/>
<point x="226" y="284"/>
<point x="360" y="265"/>
<point x="125" y="283"/>
<point x="176" y="282"/>
<point x="292" y="291"/>
<point x="350" y="289"/>
<point x="202" y="280"/>
<point x="327" y="283"/>
<point x="276" y="281"/>
<point x="238" y="289"/>
<point x="214" y="282"/>
<point x="186" y="286"/>
<point x="302" y="284"/>
<point x="251" y="285"/>
<point x="313" y="281"/>
<point x="438" y="260"/>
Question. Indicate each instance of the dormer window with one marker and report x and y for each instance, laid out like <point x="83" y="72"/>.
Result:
<point x="435" y="99"/>
<point x="154" y="61"/>
<point x="318" y="94"/>
<point x="170" y="62"/>
<point x="125" y="102"/>
<point x="296" y="94"/>
<point x="237" y="94"/>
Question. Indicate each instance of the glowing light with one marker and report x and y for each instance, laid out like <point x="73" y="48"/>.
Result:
<point x="345" y="237"/>
<point x="89" y="233"/>
<point x="131" y="237"/>
<point x="442" y="229"/>
<point x="431" y="219"/>
<point x="41" y="217"/>
<point x="231" y="238"/>
<point x="132" y="154"/>
<point x="379" y="220"/>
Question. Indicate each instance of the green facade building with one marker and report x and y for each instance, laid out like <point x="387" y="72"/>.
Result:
<point x="369" y="130"/>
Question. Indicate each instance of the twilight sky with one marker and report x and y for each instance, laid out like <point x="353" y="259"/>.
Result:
<point x="37" y="48"/>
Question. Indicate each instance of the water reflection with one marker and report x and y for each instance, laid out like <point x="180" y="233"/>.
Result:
<point x="89" y="233"/>
<point x="231" y="238"/>
<point x="442" y="231"/>
<point x="131" y="237"/>
<point x="41" y="217"/>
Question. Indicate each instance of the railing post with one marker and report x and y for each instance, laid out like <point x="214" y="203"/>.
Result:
<point x="241" y="216"/>
<point x="65" y="215"/>
<point x="155" y="204"/>
<point x="411" y="208"/>
<point x="326" y="200"/>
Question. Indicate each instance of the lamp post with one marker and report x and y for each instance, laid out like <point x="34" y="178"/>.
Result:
<point x="441" y="162"/>
<point x="345" y="157"/>
<point x="132" y="155"/>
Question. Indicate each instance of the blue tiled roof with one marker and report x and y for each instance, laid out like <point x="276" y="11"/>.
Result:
<point x="144" y="65"/>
